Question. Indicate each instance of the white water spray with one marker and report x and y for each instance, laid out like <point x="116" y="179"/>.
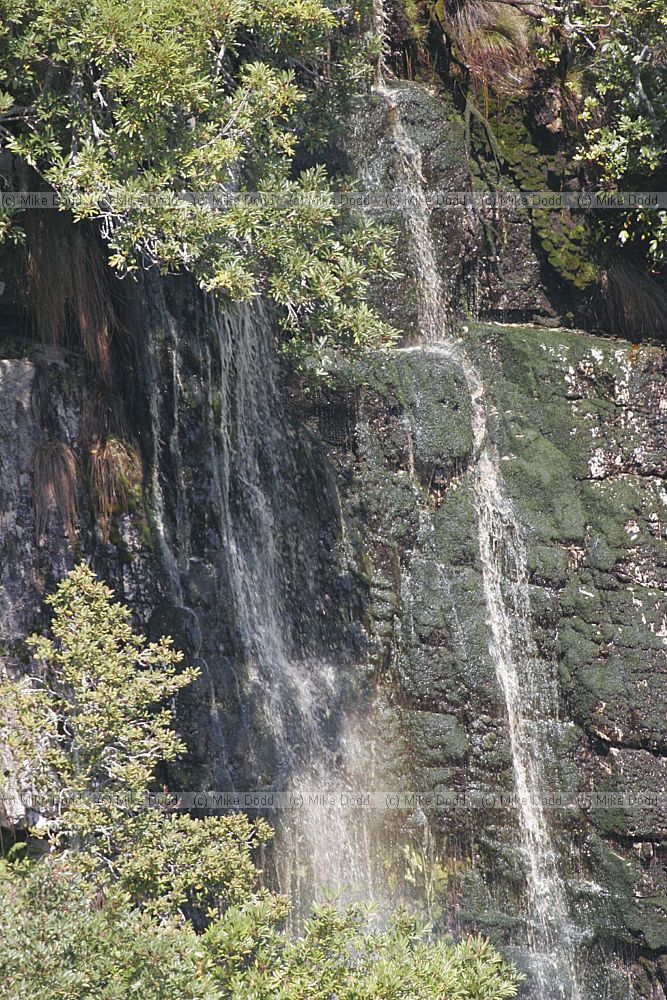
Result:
<point x="304" y="744"/>
<point x="527" y="685"/>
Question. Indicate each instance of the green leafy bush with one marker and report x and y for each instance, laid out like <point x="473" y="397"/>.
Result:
<point x="124" y="106"/>
<point x="60" y="939"/>
<point x="133" y="902"/>
<point x="94" y="719"/>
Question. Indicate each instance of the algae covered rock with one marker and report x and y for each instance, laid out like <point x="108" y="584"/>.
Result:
<point x="578" y="424"/>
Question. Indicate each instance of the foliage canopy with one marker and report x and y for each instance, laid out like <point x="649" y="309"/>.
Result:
<point x="140" y="112"/>
<point x="161" y="906"/>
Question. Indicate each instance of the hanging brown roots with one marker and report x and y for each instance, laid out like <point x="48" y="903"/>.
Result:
<point x="68" y="289"/>
<point x="55" y="477"/>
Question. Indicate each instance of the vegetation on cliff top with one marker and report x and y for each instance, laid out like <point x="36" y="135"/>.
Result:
<point x="570" y="96"/>
<point x="139" y="113"/>
<point x="128" y="901"/>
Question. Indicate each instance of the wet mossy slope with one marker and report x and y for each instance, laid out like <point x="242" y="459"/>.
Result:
<point x="579" y="423"/>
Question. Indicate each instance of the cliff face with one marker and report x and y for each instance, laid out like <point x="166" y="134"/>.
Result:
<point x="318" y="558"/>
<point x="580" y="432"/>
<point x="577" y="426"/>
<point x="236" y="520"/>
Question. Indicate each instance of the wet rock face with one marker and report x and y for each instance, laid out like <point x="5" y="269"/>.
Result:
<point x="579" y="425"/>
<point x="488" y="259"/>
<point x="40" y="410"/>
<point x="582" y="428"/>
<point x="227" y="475"/>
<point x="587" y="474"/>
<point x="246" y="525"/>
<point x="370" y="518"/>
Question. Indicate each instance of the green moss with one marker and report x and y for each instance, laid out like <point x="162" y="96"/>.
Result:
<point x="455" y="528"/>
<point x="436" y="738"/>
<point x="124" y="554"/>
<point x="567" y="243"/>
<point x="652" y="922"/>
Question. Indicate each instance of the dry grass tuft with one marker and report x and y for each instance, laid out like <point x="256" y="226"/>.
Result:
<point x="115" y="469"/>
<point x="102" y="417"/>
<point x="493" y="41"/>
<point x="55" y="477"/>
<point x="632" y="304"/>
<point x="68" y="288"/>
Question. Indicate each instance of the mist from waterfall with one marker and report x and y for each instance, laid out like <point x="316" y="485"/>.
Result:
<point x="527" y="683"/>
<point x="316" y="745"/>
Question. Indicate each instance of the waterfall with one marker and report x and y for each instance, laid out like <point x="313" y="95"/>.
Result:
<point x="317" y="748"/>
<point x="248" y="542"/>
<point x="527" y="684"/>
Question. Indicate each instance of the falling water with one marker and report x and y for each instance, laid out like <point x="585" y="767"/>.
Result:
<point x="527" y="684"/>
<point x="314" y="748"/>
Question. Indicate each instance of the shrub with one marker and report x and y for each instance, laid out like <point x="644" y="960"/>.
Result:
<point x="62" y="939"/>
<point x="94" y="719"/>
<point x="167" y="907"/>
<point x="123" y="107"/>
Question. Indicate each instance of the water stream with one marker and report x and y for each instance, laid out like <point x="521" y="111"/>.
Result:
<point x="308" y="748"/>
<point x="527" y="682"/>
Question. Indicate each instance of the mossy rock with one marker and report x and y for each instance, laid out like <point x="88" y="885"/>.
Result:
<point x="567" y="244"/>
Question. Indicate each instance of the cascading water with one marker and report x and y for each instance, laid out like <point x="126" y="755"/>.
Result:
<point x="527" y="684"/>
<point x="299" y="742"/>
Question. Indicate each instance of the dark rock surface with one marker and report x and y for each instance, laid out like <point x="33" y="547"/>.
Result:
<point x="580" y="431"/>
<point x="353" y="513"/>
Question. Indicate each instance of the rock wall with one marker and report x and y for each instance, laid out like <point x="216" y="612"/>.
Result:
<point x="337" y="532"/>
<point x="490" y="262"/>
<point x="230" y="544"/>
<point x="580" y="426"/>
